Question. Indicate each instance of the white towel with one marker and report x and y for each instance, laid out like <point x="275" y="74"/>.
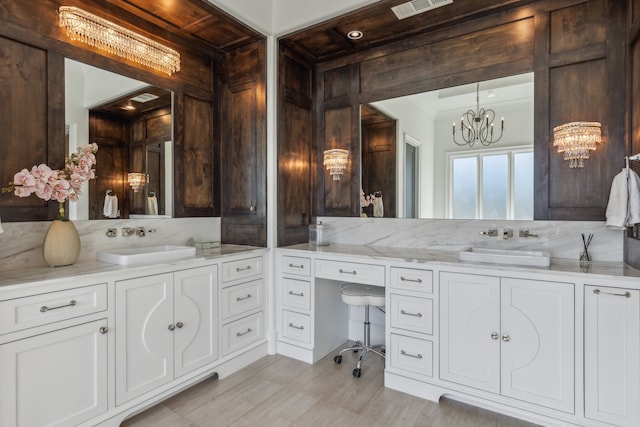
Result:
<point x="623" y="208"/>
<point x="1" y="230"/>
<point x="152" y="205"/>
<point x="378" y="207"/>
<point x="110" y="209"/>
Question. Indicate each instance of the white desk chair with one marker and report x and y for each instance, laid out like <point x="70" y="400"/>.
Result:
<point x="365" y="295"/>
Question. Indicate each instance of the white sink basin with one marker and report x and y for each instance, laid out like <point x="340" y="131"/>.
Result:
<point x="146" y="255"/>
<point x="506" y="257"/>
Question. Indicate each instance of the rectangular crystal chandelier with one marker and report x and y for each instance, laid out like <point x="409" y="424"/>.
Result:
<point x="103" y="34"/>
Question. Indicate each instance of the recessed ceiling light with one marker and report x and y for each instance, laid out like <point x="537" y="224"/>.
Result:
<point x="355" y="34"/>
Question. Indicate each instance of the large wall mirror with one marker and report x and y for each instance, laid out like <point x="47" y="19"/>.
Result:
<point x="131" y="121"/>
<point x="410" y="159"/>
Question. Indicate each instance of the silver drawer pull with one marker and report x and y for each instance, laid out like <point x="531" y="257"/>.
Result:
<point x="104" y="330"/>
<point x="291" y="325"/>
<point x="44" y="308"/>
<point x="408" y="313"/>
<point x="296" y="266"/>
<point x="243" y="298"/>
<point x="598" y="292"/>
<point x="404" y="279"/>
<point x="415" y="356"/>
<point x="239" y="269"/>
<point x="296" y="294"/>
<point x="239" y="334"/>
<point x="347" y="272"/>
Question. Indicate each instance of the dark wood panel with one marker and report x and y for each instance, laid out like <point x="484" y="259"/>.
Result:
<point x="337" y="83"/>
<point x="243" y="152"/>
<point x="25" y="130"/>
<point x="195" y="189"/>
<point x="339" y="197"/>
<point x="579" y="26"/>
<point x="379" y="158"/>
<point x="495" y="47"/>
<point x="572" y="99"/>
<point x="111" y="135"/>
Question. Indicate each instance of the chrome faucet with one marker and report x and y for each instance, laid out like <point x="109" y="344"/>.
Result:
<point x="491" y="232"/>
<point x="524" y="232"/>
<point x="141" y="232"/>
<point x="507" y="233"/>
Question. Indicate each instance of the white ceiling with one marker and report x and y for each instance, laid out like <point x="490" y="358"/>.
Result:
<point x="279" y="17"/>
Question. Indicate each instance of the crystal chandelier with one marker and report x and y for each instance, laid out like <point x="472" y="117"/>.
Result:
<point x="476" y="127"/>
<point x="336" y="160"/>
<point x="137" y="180"/>
<point x="575" y="140"/>
<point x="103" y="34"/>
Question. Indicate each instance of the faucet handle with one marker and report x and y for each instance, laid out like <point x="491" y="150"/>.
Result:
<point x="524" y="232"/>
<point x="492" y="232"/>
<point x="141" y="232"/>
<point x="507" y="233"/>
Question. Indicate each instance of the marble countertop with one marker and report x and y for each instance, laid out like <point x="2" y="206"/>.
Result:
<point x="95" y="268"/>
<point x="609" y="270"/>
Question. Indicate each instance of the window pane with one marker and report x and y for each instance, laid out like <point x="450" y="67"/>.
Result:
<point x="523" y="185"/>
<point x="494" y="186"/>
<point x="465" y="188"/>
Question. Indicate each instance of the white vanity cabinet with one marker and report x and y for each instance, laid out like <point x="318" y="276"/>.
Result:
<point x="509" y="336"/>
<point x="53" y="357"/>
<point x="410" y="304"/>
<point x="612" y="355"/>
<point x="166" y="327"/>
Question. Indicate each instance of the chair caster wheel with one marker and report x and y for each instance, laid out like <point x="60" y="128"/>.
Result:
<point x="357" y="372"/>
<point x="338" y="359"/>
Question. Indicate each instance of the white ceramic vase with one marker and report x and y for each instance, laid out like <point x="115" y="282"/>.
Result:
<point x="61" y="244"/>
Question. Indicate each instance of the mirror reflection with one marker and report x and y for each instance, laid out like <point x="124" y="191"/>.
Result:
<point x="410" y="159"/>
<point x="131" y="121"/>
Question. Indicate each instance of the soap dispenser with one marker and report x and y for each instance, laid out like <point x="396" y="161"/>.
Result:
<point x="318" y="234"/>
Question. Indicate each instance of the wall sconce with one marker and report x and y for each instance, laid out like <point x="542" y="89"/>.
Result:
<point x="137" y="180"/>
<point x="336" y="161"/>
<point x="103" y="34"/>
<point x="575" y="140"/>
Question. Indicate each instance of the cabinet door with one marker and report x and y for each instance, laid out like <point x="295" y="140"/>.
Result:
<point x="195" y="303"/>
<point x="469" y="327"/>
<point x="611" y="355"/>
<point x="144" y="339"/>
<point x="54" y="379"/>
<point x="538" y="342"/>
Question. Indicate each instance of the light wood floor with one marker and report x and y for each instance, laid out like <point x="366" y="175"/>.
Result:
<point x="278" y="391"/>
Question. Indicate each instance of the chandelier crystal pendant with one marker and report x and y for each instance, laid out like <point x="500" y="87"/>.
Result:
<point x="105" y="35"/>
<point x="137" y="180"/>
<point x="476" y="127"/>
<point x="336" y="161"/>
<point x="575" y="140"/>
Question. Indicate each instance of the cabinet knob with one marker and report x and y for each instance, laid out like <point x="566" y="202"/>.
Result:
<point x="495" y="335"/>
<point x="104" y="330"/>
<point x="505" y="338"/>
<point x="171" y="327"/>
<point x="253" y="208"/>
<point x="179" y="325"/>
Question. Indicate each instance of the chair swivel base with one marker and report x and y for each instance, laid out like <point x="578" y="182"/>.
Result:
<point x="358" y="346"/>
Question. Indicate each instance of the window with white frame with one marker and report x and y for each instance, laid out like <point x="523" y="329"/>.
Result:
<point x="491" y="184"/>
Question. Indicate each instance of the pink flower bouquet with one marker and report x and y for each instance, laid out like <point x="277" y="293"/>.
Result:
<point x="53" y="184"/>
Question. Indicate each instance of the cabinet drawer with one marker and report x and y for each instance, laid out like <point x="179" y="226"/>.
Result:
<point x="296" y="293"/>
<point x="240" y="333"/>
<point x="368" y="274"/>
<point x="296" y="265"/>
<point x="233" y="270"/>
<point x="241" y="298"/>
<point x="412" y="279"/>
<point x="296" y="326"/>
<point x="412" y="313"/>
<point x="37" y="310"/>
<point x="412" y="354"/>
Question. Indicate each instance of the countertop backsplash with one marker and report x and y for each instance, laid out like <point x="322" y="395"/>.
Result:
<point x="561" y="238"/>
<point x="21" y="243"/>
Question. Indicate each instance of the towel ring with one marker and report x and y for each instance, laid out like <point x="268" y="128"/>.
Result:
<point x="152" y="194"/>
<point x="109" y="192"/>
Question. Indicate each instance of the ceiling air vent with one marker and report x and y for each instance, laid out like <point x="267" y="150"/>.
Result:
<point x="145" y="97"/>
<point x="415" y="7"/>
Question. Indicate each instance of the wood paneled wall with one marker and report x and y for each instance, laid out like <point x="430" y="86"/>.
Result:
<point x="577" y="50"/>
<point x="295" y="155"/>
<point x="244" y="147"/>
